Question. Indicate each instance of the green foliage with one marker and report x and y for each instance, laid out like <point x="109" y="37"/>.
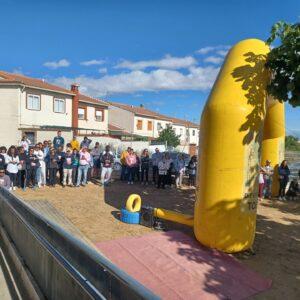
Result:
<point x="291" y="143"/>
<point x="168" y="135"/>
<point x="284" y="63"/>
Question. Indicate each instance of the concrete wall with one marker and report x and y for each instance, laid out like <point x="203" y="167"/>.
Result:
<point x="163" y="124"/>
<point x="144" y="131"/>
<point x="9" y="115"/>
<point x="46" y="116"/>
<point x="194" y="136"/>
<point x="91" y="123"/>
<point x="121" y="118"/>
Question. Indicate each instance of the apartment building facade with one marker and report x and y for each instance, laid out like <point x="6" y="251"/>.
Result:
<point x="38" y="109"/>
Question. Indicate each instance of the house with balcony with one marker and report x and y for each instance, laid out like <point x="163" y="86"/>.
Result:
<point x="35" y="108"/>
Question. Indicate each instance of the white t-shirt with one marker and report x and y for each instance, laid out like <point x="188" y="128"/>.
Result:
<point x="12" y="164"/>
<point x="261" y="178"/>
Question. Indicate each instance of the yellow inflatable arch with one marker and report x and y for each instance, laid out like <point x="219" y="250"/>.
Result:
<point x="238" y="127"/>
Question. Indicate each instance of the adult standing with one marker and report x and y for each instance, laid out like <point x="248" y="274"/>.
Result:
<point x="131" y="164"/>
<point x="107" y="161"/>
<point x="4" y="180"/>
<point x="60" y="161"/>
<point x="192" y="167"/>
<point x="84" y="161"/>
<point x="156" y="158"/>
<point x="12" y="161"/>
<point x="32" y="163"/>
<point x="25" y="142"/>
<point x="123" y="164"/>
<point x="284" y="173"/>
<point x="41" y="170"/>
<point x="163" y="167"/>
<point x="145" y="161"/>
<point x="179" y="166"/>
<point x="22" y="168"/>
<point x="58" y="141"/>
<point x="75" y="144"/>
<point x="268" y="176"/>
<point x="85" y="143"/>
<point x="52" y="167"/>
<point x="95" y="153"/>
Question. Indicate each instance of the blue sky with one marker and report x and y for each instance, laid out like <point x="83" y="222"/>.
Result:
<point x="163" y="54"/>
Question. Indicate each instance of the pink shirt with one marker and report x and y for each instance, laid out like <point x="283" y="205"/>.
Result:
<point x="130" y="160"/>
<point x="82" y="161"/>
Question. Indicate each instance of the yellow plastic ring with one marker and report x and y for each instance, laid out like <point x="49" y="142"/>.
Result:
<point x="134" y="203"/>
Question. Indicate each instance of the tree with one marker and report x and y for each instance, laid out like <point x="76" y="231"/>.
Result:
<point x="168" y="135"/>
<point x="284" y="63"/>
<point x="292" y="143"/>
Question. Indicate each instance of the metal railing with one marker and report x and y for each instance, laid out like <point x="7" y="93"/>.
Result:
<point x="63" y="266"/>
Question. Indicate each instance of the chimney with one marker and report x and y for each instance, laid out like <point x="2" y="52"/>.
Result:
<point x="141" y="105"/>
<point x="75" y="90"/>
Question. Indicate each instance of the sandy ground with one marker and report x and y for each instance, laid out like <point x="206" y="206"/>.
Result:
<point x="95" y="212"/>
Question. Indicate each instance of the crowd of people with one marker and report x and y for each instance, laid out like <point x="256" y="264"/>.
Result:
<point x="53" y="162"/>
<point x="165" y="170"/>
<point x="75" y="164"/>
<point x="266" y="179"/>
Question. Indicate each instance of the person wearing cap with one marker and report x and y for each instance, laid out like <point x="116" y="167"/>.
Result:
<point x="75" y="144"/>
<point x="67" y="165"/>
<point x="85" y="143"/>
<point x="268" y="172"/>
<point x="4" y="180"/>
<point x="58" y="141"/>
<point x="84" y="163"/>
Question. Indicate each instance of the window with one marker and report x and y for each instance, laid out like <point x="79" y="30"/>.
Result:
<point x="33" y="102"/>
<point x="99" y="115"/>
<point x="59" y="106"/>
<point x="149" y="125"/>
<point x="159" y="127"/>
<point x="187" y="132"/>
<point x="139" y="125"/>
<point x="81" y="113"/>
<point x="181" y="131"/>
<point x="194" y="132"/>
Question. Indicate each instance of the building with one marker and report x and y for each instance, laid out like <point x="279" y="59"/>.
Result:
<point x="38" y="109"/>
<point x="140" y="121"/>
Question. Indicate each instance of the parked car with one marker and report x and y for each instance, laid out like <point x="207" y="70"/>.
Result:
<point x="294" y="168"/>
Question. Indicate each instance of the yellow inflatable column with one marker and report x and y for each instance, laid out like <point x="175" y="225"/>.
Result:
<point x="230" y="136"/>
<point x="274" y="139"/>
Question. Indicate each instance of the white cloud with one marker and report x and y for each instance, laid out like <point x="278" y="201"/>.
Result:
<point x="102" y="70"/>
<point x="57" y="64"/>
<point x="168" y="62"/>
<point x="222" y="52"/>
<point x="209" y="49"/>
<point x="93" y="62"/>
<point x="214" y="59"/>
<point x="197" y="78"/>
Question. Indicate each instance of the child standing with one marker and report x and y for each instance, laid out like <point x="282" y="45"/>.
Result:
<point x="67" y="168"/>
<point x="22" y="168"/>
<point x="131" y="164"/>
<point x="32" y="163"/>
<point x="107" y="160"/>
<point x="145" y="160"/>
<point x="192" y="166"/>
<point x="52" y="167"/>
<point x="261" y="184"/>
